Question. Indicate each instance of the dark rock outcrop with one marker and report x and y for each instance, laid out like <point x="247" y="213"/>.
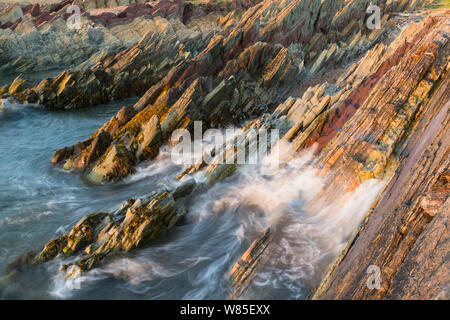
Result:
<point x="100" y="234"/>
<point x="394" y="126"/>
<point x="386" y="117"/>
<point x="220" y="79"/>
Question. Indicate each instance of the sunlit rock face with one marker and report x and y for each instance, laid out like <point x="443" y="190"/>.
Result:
<point x="388" y="126"/>
<point x="42" y="36"/>
<point x="361" y="112"/>
<point x="220" y="77"/>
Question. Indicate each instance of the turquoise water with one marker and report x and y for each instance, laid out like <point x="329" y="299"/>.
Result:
<point x="39" y="202"/>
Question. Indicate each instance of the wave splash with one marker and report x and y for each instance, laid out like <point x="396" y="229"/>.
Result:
<point x="194" y="259"/>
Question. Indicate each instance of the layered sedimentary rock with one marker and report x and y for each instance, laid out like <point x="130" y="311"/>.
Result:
<point x="37" y="37"/>
<point x="136" y="221"/>
<point x="219" y="78"/>
<point x="406" y="235"/>
<point x="242" y="271"/>
<point x="393" y="124"/>
<point x="385" y="117"/>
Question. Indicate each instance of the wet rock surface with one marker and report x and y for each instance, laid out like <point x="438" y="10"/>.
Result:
<point x="100" y="234"/>
<point x="220" y="78"/>
<point x="406" y="144"/>
<point x="385" y="117"/>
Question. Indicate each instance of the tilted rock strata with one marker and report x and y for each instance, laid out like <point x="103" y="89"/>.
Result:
<point x="135" y="222"/>
<point x="242" y="271"/>
<point x="406" y="235"/>
<point x="374" y="122"/>
<point x="374" y="133"/>
<point x="221" y="79"/>
<point x="36" y="37"/>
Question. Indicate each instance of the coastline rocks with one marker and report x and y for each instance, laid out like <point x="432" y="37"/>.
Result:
<point x="117" y="162"/>
<point x="229" y="77"/>
<point x="241" y="272"/>
<point x="38" y="38"/>
<point x="18" y="86"/>
<point x="10" y="14"/>
<point x="388" y="123"/>
<point x="385" y="118"/>
<point x="121" y="75"/>
<point x="406" y="235"/>
<point x="134" y="223"/>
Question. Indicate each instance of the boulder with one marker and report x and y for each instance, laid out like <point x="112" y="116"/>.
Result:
<point x="116" y="163"/>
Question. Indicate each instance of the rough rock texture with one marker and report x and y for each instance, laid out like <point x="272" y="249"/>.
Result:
<point x="242" y="270"/>
<point x="218" y="77"/>
<point x="393" y="125"/>
<point x="406" y="235"/>
<point x="36" y="37"/>
<point x="386" y="117"/>
<point x="135" y="222"/>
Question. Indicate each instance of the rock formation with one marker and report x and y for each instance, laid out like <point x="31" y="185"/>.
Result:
<point x="37" y="37"/>
<point x="256" y="62"/>
<point x="393" y="125"/>
<point x="98" y="234"/>
<point x="385" y="117"/>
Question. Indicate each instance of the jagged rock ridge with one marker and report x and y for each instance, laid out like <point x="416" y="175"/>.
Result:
<point x="374" y="122"/>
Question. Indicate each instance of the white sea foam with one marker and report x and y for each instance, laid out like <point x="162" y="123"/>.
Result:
<point x="18" y="220"/>
<point x="225" y="219"/>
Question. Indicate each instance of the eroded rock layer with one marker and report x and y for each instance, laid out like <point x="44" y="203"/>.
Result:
<point x="393" y="125"/>
<point x="385" y="116"/>
<point x="219" y="78"/>
<point x="98" y="234"/>
<point x="37" y="37"/>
